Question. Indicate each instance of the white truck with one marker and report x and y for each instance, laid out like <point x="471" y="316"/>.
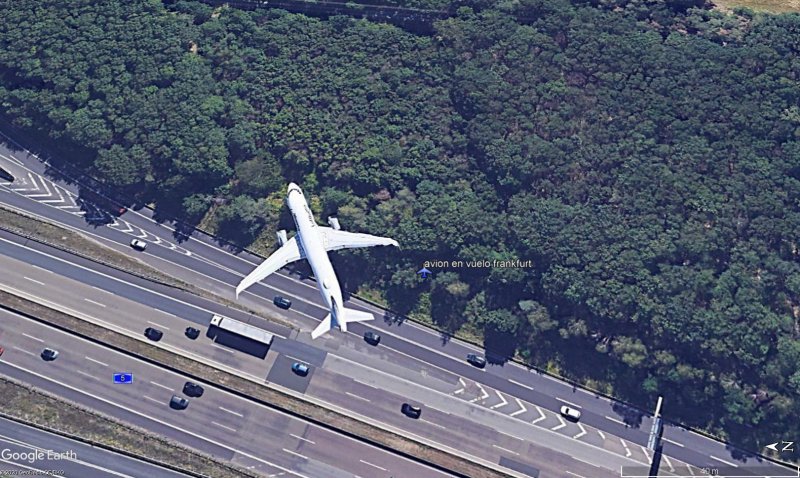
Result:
<point x="240" y="328"/>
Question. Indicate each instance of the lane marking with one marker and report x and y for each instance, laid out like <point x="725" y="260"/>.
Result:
<point x="559" y="427"/>
<point x="582" y="433"/>
<point x="520" y="384"/>
<point x="33" y="280"/>
<point x="372" y="464"/>
<point x="220" y="347"/>
<point x="484" y="394"/>
<point x="541" y="416"/>
<point x="625" y="445"/>
<point x="231" y="412"/>
<point x="568" y="403"/>
<point x="32" y="337"/>
<point x="521" y="406"/>
<point x="616" y="421"/>
<point x="724" y="461"/>
<point x="158" y="325"/>
<point x="432" y="423"/>
<point x="152" y="400"/>
<point x="356" y="396"/>
<point x="95" y="303"/>
<point x="225" y="427"/>
<point x="505" y="449"/>
<point x="162" y="386"/>
<point x="504" y="402"/>
<point x="23" y="350"/>
<point x="300" y="438"/>
<point x="95" y="361"/>
<point x="646" y="454"/>
<point x="42" y="269"/>
<point x="87" y="374"/>
<point x="102" y="290"/>
<point x="602" y="435"/>
<point x="574" y="474"/>
<point x="463" y="386"/>
<point x="669" y="463"/>
<point x="296" y="454"/>
<point x="673" y="442"/>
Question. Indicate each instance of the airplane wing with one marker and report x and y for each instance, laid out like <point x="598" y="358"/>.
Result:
<point x="334" y="240"/>
<point x="289" y="252"/>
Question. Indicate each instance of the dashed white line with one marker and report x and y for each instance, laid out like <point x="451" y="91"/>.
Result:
<point x="42" y="269"/>
<point x="102" y="290"/>
<point x="225" y="427"/>
<point x="582" y="433"/>
<point x="673" y="442"/>
<point x="151" y="399"/>
<point x="300" y="438"/>
<point x="95" y="361"/>
<point x="219" y="347"/>
<point x="574" y="474"/>
<point x="568" y="403"/>
<point x="33" y="280"/>
<point x="32" y="337"/>
<point x="625" y="445"/>
<point x="158" y="325"/>
<point x="559" y="427"/>
<point x="724" y="461"/>
<point x="520" y="384"/>
<point x="522" y="408"/>
<point x="295" y="454"/>
<point x="502" y="403"/>
<point x="434" y="424"/>
<point x="87" y="374"/>
<point x="616" y="421"/>
<point x="505" y="449"/>
<point x="356" y="396"/>
<point x="541" y="416"/>
<point x="95" y="303"/>
<point x="373" y="465"/>
<point x="231" y="412"/>
<point x="162" y="386"/>
<point x="23" y="350"/>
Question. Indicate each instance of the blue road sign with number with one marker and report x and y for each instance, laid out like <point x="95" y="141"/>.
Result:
<point x="123" y="378"/>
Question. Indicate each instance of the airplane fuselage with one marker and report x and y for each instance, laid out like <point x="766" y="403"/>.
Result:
<point x="311" y="243"/>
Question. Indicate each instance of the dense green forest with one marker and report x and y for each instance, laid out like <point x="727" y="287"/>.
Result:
<point x="645" y="155"/>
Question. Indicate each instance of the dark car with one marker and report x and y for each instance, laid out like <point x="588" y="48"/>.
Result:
<point x="192" y="389"/>
<point x="476" y="360"/>
<point x="153" y="334"/>
<point x="411" y="411"/>
<point x="282" y="302"/>
<point x="372" y="338"/>
<point x="178" y="403"/>
<point x="192" y="333"/>
<point x="300" y="368"/>
<point x="49" y="354"/>
<point x="6" y="176"/>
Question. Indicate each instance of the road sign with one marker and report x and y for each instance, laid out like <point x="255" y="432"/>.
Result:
<point x="123" y="378"/>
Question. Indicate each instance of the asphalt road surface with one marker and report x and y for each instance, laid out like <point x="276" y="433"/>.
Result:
<point x="202" y="262"/>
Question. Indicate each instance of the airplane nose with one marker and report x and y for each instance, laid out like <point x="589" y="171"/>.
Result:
<point x="291" y="187"/>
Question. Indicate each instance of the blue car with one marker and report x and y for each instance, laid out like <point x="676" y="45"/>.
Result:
<point x="300" y="368"/>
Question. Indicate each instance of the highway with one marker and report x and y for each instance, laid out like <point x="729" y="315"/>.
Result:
<point x="218" y="423"/>
<point x="503" y="388"/>
<point x="68" y="457"/>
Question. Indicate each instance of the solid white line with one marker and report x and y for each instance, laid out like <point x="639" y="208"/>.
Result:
<point x="33" y="280"/>
<point x="158" y="325"/>
<point x="520" y="384"/>
<point x="615" y="420"/>
<point x="505" y="449"/>
<point x="372" y="464"/>
<point x="724" y="461"/>
<point x="296" y="454"/>
<point x="95" y="361"/>
<point x="568" y="403"/>
<point x="300" y="438"/>
<point x="231" y="412"/>
<point x="162" y="386"/>
<point x="95" y="303"/>
<point x="23" y="350"/>
<point x="32" y="337"/>
<point x="225" y="427"/>
<point x="541" y="416"/>
<point x="673" y="442"/>
<point x="356" y="396"/>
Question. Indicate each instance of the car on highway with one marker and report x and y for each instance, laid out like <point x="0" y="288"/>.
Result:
<point x="192" y="389"/>
<point x="411" y="411"/>
<point x="6" y="176"/>
<point x="138" y="244"/>
<point x="300" y="368"/>
<point x="153" y="334"/>
<point x="49" y="354"/>
<point x="192" y="333"/>
<point x="372" y="338"/>
<point x="476" y="360"/>
<point x="178" y="403"/>
<point x="282" y="302"/>
<point x="571" y="413"/>
<point x="2" y="350"/>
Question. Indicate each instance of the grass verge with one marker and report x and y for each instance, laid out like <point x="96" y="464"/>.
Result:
<point x="39" y="409"/>
<point x="272" y="397"/>
<point x="771" y="6"/>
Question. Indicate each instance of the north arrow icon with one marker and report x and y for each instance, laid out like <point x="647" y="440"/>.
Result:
<point x="773" y="446"/>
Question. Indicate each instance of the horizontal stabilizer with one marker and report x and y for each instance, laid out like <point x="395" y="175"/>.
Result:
<point x="350" y="315"/>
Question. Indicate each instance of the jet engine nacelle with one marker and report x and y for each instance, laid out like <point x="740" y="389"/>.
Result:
<point x="334" y="222"/>
<point x="282" y="239"/>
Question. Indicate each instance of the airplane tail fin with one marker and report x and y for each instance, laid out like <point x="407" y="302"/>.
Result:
<point x="346" y="316"/>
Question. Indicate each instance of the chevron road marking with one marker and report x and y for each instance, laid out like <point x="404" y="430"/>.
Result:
<point x="669" y="463"/>
<point x="646" y="454"/>
<point x="44" y="185"/>
<point x="541" y="416"/>
<point x="498" y="405"/>
<point x="522" y="408"/>
<point x="460" y="380"/>
<point x="484" y="394"/>
<point x="582" y="433"/>
<point x="559" y="427"/>
<point x="625" y="445"/>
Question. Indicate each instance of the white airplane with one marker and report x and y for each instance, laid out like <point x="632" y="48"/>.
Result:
<point x="312" y="242"/>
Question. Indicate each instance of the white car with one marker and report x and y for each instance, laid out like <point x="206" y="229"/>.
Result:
<point x="138" y="245"/>
<point x="571" y="413"/>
